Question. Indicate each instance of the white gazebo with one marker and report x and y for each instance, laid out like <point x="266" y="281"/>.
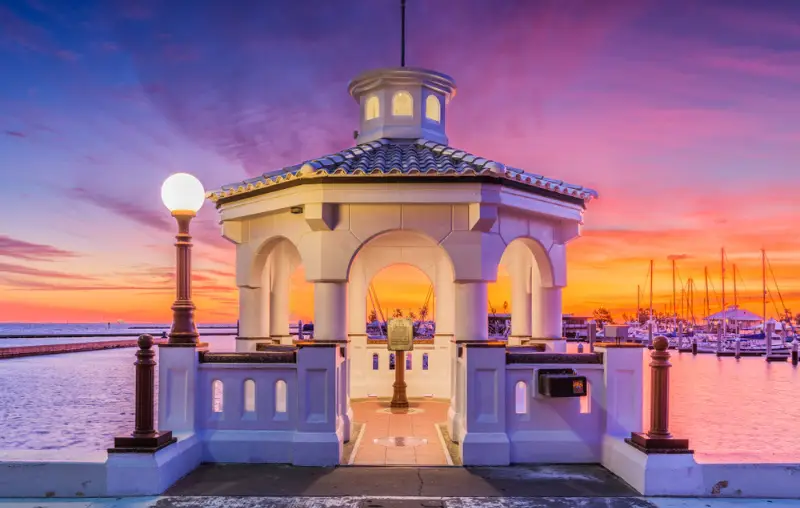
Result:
<point x="401" y="195"/>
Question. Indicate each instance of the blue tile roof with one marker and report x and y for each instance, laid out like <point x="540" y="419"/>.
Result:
<point x="399" y="158"/>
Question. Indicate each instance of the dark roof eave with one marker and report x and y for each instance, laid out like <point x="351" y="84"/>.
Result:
<point x="406" y="179"/>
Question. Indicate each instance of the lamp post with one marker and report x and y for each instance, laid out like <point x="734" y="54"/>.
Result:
<point x="183" y="195"/>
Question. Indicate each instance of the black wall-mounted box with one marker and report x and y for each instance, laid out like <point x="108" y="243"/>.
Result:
<point x="561" y="383"/>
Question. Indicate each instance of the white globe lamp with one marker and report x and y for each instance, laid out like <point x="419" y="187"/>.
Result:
<point x="182" y="193"/>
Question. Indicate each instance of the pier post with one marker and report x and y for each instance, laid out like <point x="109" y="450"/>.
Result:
<point x="694" y="345"/>
<point x="769" y="329"/>
<point x="738" y="351"/>
<point x="658" y="439"/>
<point x="794" y="352"/>
<point x="591" y="334"/>
<point x="144" y="439"/>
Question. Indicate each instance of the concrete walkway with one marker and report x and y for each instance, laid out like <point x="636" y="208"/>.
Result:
<point x="400" y="439"/>
<point x="396" y="502"/>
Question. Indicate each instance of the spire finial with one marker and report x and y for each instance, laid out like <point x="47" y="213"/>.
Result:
<point x="402" y="33"/>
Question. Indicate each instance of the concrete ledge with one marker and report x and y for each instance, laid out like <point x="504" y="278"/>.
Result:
<point x="485" y="449"/>
<point x="248" y="446"/>
<point x="148" y="474"/>
<point x="653" y="474"/>
<point x="751" y="480"/>
<point x="553" y="447"/>
<point x="48" y="473"/>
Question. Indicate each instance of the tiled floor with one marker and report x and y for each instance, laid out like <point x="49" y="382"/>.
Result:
<point x="420" y="423"/>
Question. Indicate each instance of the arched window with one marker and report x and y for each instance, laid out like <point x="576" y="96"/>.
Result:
<point x="433" y="108"/>
<point x="425" y="361"/>
<point x="372" y="108"/>
<point x="391" y="361"/>
<point x="521" y="398"/>
<point x="408" y="361"/>
<point x="249" y="395"/>
<point x="402" y="104"/>
<point x="280" y="396"/>
<point x="216" y="396"/>
<point x="375" y="361"/>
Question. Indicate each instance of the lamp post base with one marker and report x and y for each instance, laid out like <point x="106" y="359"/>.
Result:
<point x="647" y="444"/>
<point x="143" y="444"/>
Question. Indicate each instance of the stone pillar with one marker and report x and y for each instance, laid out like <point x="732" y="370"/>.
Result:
<point x="330" y="324"/>
<point x="279" y="300"/>
<point x="178" y="387"/>
<point x="484" y="441"/>
<point x="472" y="311"/>
<point x="330" y="311"/>
<point x="521" y="298"/>
<point x="622" y="372"/>
<point x="548" y="325"/>
<point x="442" y="361"/>
<point x="253" y="318"/>
<point x="318" y="440"/>
<point x="359" y="359"/>
<point x="472" y="324"/>
<point x="659" y="439"/>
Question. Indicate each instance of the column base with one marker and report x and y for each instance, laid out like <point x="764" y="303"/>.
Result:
<point x="485" y="449"/>
<point x="147" y="444"/>
<point x="552" y="345"/>
<point x="316" y="449"/>
<point x="249" y="344"/>
<point x="284" y="340"/>
<point x="647" y="444"/>
<point x="518" y="340"/>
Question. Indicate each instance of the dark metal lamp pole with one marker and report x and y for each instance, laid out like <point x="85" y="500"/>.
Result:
<point x="183" y="331"/>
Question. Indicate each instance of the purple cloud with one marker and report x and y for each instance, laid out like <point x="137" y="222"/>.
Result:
<point x="16" y="134"/>
<point x="20" y="249"/>
<point x="132" y="211"/>
<point x="36" y="272"/>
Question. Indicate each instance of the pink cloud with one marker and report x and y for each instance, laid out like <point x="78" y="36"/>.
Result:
<point x="20" y="249"/>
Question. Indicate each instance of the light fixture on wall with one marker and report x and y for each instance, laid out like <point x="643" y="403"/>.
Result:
<point x="296" y="210"/>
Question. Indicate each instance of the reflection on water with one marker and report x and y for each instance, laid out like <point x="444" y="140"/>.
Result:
<point x="730" y="410"/>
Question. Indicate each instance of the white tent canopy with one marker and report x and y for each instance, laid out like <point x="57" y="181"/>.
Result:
<point x="735" y="314"/>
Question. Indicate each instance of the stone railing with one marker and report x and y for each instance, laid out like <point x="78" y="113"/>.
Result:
<point x="500" y="416"/>
<point x="286" y="405"/>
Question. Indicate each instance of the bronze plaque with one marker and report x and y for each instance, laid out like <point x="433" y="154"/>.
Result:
<point x="400" y="334"/>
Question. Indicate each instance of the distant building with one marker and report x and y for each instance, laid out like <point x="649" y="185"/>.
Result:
<point x="573" y="326"/>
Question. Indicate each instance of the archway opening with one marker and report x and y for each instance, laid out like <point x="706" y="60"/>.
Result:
<point x="400" y="290"/>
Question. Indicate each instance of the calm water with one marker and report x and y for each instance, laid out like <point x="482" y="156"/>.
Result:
<point x="731" y="411"/>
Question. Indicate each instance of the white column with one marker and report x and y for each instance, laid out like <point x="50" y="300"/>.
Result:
<point x="279" y="302"/>
<point x="356" y="305"/>
<point x="472" y="313"/>
<point x="253" y="318"/>
<point x="521" y="300"/>
<point x="548" y="328"/>
<point x="330" y="310"/>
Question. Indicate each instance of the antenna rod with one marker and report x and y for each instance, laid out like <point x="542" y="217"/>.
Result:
<point x="402" y="33"/>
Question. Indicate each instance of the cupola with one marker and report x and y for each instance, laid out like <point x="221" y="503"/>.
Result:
<point x="402" y="103"/>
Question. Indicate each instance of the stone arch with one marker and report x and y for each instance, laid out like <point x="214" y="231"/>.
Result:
<point x="423" y="241"/>
<point x="253" y="258"/>
<point x="543" y="262"/>
<point x="395" y="247"/>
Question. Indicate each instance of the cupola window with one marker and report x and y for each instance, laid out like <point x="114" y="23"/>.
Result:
<point x="402" y="104"/>
<point x="372" y="108"/>
<point x="433" y="108"/>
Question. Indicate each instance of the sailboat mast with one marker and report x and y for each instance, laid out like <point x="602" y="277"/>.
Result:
<point x="673" y="288"/>
<point x="764" y="289"/>
<point x="735" y="295"/>
<point x="708" y="302"/>
<point x="724" y="326"/>
<point x="651" y="290"/>
<point x="638" y="303"/>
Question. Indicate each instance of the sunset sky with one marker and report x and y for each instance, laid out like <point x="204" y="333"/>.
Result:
<point x="682" y="114"/>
